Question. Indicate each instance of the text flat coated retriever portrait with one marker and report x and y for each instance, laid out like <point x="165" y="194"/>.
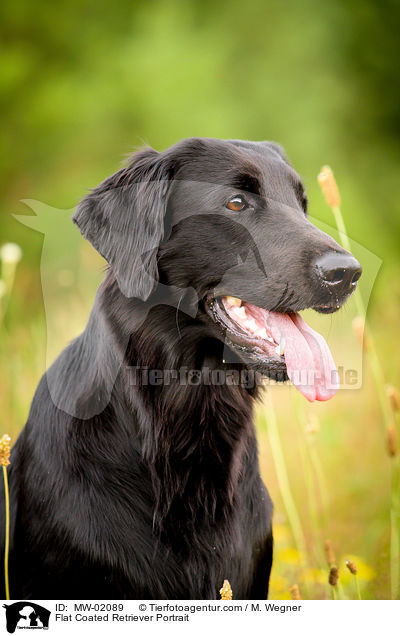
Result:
<point x="136" y="475"/>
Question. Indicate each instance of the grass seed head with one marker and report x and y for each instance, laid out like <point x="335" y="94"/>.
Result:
<point x="10" y="253"/>
<point x="329" y="187"/>
<point x="295" y="592"/>
<point x="351" y="566"/>
<point x="5" y="450"/>
<point x="394" y="397"/>
<point x="359" y="331"/>
<point x="333" y="575"/>
<point x="226" y="591"/>
<point x="330" y="552"/>
<point x="391" y="441"/>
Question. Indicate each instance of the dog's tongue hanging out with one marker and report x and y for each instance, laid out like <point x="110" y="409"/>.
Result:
<point x="309" y="362"/>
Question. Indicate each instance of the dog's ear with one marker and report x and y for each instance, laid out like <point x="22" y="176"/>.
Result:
<point x="123" y="218"/>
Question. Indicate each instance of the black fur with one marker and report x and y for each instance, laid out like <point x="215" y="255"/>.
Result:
<point x="121" y="489"/>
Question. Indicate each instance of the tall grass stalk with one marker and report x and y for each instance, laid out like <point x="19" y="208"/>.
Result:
<point x="311" y="495"/>
<point x="357" y="588"/>
<point x="283" y="480"/>
<point x="321" y="481"/>
<point x="7" y="533"/>
<point x="309" y="434"/>
<point x="330" y="190"/>
<point x="351" y="566"/>
<point x="395" y="528"/>
<point x="310" y="481"/>
<point x="10" y="255"/>
<point x="4" y="462"/>
<point x="392" y="449"/>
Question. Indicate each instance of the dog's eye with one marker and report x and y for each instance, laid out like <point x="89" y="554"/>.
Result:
<point x="237" y="203"/>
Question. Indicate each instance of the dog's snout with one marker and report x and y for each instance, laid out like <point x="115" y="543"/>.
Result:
<point x="340" y="272"/>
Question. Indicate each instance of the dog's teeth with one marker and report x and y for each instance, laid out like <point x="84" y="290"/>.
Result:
<point x="240" y="312"/>
<point x="262" y="333"/>
<point x="280" y="349"/>
<point x="233" y="302"/>
<point x="251" y="324"/>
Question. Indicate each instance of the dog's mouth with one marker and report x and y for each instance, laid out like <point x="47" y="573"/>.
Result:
<point x="282" y="345"/>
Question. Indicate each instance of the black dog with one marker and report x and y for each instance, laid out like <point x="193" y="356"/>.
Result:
<point x="136" y="475"/>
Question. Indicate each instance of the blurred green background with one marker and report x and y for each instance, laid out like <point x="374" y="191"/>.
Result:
<point x="85" y="83"/>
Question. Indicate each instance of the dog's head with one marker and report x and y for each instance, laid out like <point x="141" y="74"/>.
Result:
<point x="229" y="219"/>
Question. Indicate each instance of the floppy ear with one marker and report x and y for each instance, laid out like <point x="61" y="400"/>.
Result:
<point x="123" y="218"/>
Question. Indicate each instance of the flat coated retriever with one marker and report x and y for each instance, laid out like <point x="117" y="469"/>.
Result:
<point x="136" y="475"/>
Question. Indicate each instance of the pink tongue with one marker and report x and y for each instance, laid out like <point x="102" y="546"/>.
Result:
<point x="309" y="362"/>
<point x="327" y="378"/>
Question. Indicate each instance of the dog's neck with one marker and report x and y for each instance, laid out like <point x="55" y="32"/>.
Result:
<point x="200" y="432"/>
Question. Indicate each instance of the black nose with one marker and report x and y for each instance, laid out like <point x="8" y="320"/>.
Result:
<point x="339" y="272"/>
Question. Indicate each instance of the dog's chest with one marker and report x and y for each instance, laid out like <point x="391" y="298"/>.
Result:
<point x="196" y="566"/>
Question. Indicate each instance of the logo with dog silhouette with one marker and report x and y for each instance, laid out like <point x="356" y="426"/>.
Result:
<point x="26" y="615"/>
